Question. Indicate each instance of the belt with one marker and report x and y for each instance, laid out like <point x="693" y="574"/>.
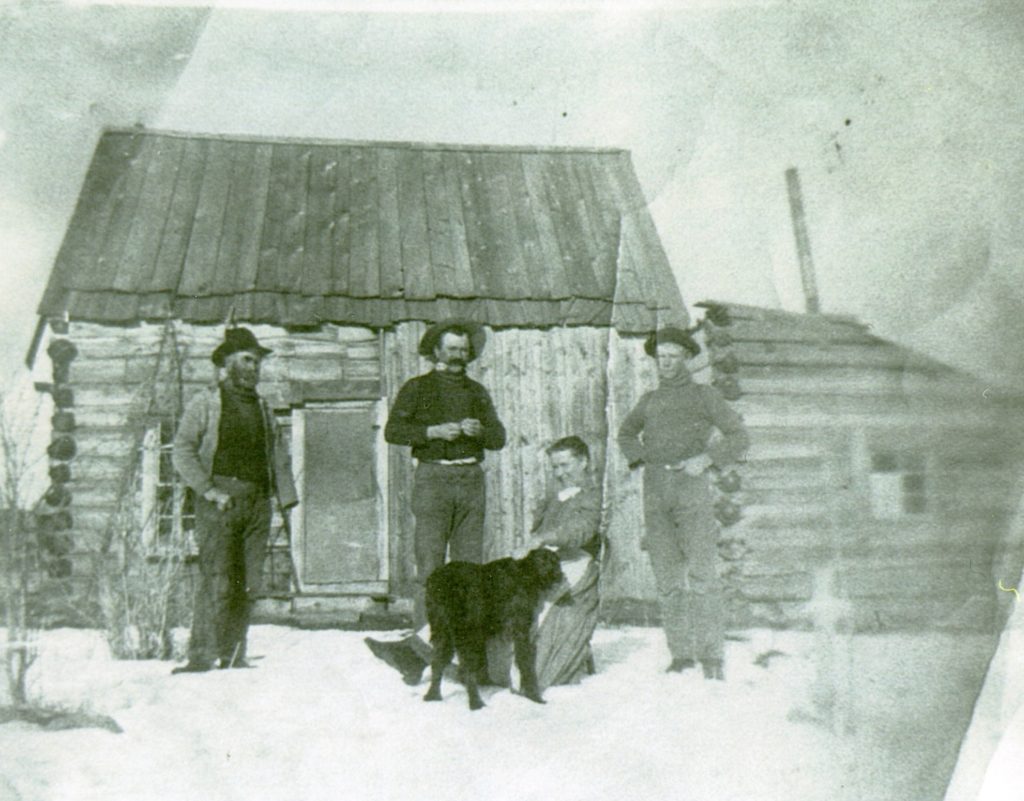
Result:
<point x="448" y="462"/>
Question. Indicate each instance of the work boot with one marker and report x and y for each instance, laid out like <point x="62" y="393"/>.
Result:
<point x="192" y="667"/>
<point x="401" y="656"/>
<point x="679" y="665"/>
<point x="713" y="669"/>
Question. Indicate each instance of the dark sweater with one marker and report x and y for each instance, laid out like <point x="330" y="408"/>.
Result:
<point x="436" y="398"/>
<point x="241" y="438"/>
<point x="675" y="422"/>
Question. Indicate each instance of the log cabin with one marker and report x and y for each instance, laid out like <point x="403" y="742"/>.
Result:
<point x="337" y="255"/>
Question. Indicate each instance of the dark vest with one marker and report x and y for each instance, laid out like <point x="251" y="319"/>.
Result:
<point x="241" y="438"/>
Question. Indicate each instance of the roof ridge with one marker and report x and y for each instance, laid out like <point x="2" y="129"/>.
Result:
<point x="370" y="143"/>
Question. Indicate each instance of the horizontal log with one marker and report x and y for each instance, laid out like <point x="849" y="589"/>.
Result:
<point x="782" y="531"/>
<point x="769" y="556"/>
<point x="775" y="451"/>
<point x="772" y="614"/>
<point x="307" y="368"/>
<point x="744" y="311"/>
<point x="925" y="613"/>
<point x="781" y="515"/>
<point x="868" y="536"/>
<point x="863" y="420"/>
<point x="800" y="331"/>
<point x="109" y="395"/>
<point x="358" y="370"/>
<point x="822" y="355"/>
<point x="97" y="492"/>
<point x="328" y="334"/>
<point x="96" y="519"/>
<point x="837" y="410"/>
<point x="910" y="580"/>
<point x="101" y="468"/>
<point x="102" y="416"/>
<point x="785" y="380"/>
<point x="116" y="347"/>
<point x="985" y="486"/>
<point x="774" y="558"/>
<point x="783" y="474"/>
<point x="800" y="496"/>
<point x="112" y="370"/>
<point x="325" y="391"/>
<point x="108" y="442"/>
<point x="297" y="347"/>
<point x="996" y="515"/>
<point x="357" y="334"/>
<point x="363" y="351"/>
<point x="794" y="586"/>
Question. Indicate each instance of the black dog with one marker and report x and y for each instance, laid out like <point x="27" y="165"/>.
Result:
<point x="467" y="604"/>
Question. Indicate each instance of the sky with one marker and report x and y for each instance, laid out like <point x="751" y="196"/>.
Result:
<point x="904" y="120"/>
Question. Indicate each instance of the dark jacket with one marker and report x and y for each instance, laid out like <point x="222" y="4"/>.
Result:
<point x="434" y="398"/>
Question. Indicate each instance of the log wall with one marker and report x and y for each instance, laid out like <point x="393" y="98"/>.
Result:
<point x="819" y="394"/>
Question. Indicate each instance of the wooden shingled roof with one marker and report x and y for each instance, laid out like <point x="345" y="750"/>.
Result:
<point x="293" y="232"/>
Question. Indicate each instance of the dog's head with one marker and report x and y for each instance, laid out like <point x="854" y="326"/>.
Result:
<point x="544" y="567"/>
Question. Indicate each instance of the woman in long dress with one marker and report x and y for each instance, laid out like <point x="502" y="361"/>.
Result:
<point x="569" y="521"/>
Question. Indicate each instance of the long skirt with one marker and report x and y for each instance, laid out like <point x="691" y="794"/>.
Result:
<point x="564" y="631"/>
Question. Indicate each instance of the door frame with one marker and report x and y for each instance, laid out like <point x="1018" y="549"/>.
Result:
<point x="378" y="586"/>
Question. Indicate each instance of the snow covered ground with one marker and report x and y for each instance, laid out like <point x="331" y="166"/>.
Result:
<point x="320" y="718"/>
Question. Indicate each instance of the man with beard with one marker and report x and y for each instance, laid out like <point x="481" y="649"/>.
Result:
<point x="448" y="420"/>
<point x="669" y="432"/>
<point x="229" y="452"/>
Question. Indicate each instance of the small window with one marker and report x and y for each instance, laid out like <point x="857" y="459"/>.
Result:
<point x="167" y="514"/>
<point x="898" y="484"/>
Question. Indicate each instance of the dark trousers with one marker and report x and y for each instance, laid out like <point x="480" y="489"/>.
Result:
<point x="232" y="547"/>
<point x="682" y="542"/>
<point x="448" y="502"/>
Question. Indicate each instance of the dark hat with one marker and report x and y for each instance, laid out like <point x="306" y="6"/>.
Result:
<point x="475" y="332"/>
<point x="236" y="339"/>
<point x="671" y="334"/>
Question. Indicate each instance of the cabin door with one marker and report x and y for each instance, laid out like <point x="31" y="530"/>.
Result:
<point x="340" y="526"/>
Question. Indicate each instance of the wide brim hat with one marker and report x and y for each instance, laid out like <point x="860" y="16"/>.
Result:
<point x="677" y="336"/>
<point x="235" y="340"/>
<point x="432" y="337"/>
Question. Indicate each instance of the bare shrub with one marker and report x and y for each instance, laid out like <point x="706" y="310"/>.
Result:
<point x="19" y="543"/>
<point x="142" y="575"/>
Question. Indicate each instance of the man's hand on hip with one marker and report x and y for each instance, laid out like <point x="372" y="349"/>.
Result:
<point x="697" y="465"/>
<point x="219" y="497"/>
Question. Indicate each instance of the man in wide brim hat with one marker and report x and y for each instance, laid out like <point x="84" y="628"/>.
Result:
<point x="474" y="331"/>
<point x="679" y="336"/>
<point x="669" y="432"/>
<point x="235" y="340"/>
<point x="230" y="452"/>
<point x="448" y="421"/>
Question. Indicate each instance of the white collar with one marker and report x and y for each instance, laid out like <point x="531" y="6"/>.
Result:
<point x="568" y="492"/>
